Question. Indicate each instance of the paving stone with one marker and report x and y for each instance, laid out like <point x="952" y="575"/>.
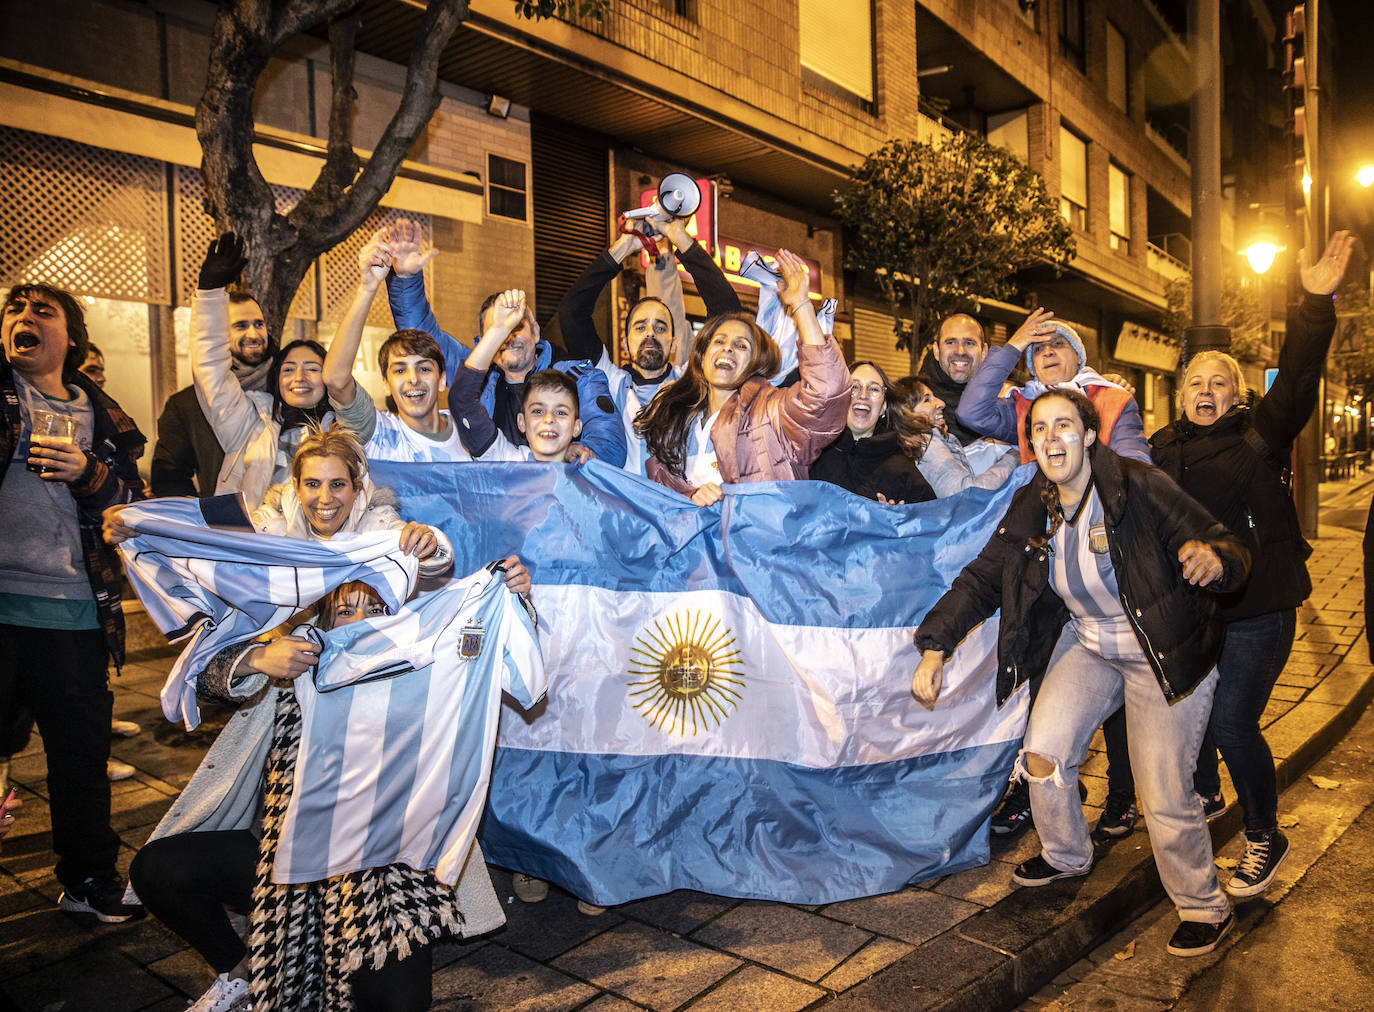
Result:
<point x="494" y="979"/>
<point x="1289" y="733"/>
<point x="544" y="930"/>
<point x="983" y="886"/>
<point x="647" y="966"/>
<point x="794" y="941"/>
<point x="1273" y="710"/>
<point x="873" y="957"/>
<point x="106" y="981"/>
<point x="1303" y="681"/>
<point x="911" y="915"/>
<point x="922" y="979"/>
<point x="1326" y="634"/>
<point x="1343" y="684"/>
<point x="612" y="1003"/>
<point x="1288" y="693"/>
<point x="185" y="971"/>
<point x="680" y="912"/>
<point x="753" y="987"/>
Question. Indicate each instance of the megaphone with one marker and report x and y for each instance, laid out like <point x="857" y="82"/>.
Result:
<point x="678" y="195"/>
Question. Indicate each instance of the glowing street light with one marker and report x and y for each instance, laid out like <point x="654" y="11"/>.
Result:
<point x="1365" y="177"/>
<point x="1261" y="255"/>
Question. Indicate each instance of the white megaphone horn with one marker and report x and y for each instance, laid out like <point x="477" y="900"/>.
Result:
<point x="678" y="195"/>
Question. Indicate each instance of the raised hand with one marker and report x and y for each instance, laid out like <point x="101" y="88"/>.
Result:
<point x="1324" y="276"/>
<point x="374" y="259"/>
<point x="409" y="253"/>
<point x="508" y="311"/>
<point x="224" y="261"/>
<point x="1035" y="327"/>
<point x="796" y="280"/>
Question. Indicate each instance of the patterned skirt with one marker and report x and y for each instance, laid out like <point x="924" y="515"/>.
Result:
<point x="307" y="939"/>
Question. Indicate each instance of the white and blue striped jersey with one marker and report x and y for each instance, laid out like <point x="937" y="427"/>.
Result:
<point x="399" y="728"/>
<point x="222" y="587"/>
<point x="1081" y="573"/>
<point x="386" y="437"/>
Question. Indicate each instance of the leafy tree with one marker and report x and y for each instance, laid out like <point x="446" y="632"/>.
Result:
<point x="246" y="34"/>
<point x="1241" y="311"/>
<point x="937" y="226"/>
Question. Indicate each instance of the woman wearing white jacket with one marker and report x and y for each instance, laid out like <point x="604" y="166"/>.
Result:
<point x="257" y="429"/>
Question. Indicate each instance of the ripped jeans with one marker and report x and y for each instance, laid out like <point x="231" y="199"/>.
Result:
<point x="1080" y="690"/>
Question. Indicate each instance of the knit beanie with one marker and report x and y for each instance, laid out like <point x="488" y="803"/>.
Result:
<point x="1068" y="334"/>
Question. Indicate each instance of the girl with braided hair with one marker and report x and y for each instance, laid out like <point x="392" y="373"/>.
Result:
<point x="1106" y="575"/>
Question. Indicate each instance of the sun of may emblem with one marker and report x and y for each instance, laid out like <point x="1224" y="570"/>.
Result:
<point x="687" y="675"/>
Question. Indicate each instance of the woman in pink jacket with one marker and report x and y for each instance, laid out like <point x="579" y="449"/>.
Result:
<point x="723" y="422"/>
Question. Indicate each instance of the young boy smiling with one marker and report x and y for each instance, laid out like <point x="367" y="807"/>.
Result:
<point x="415" y="429"/>
<point x="549" y="416"/>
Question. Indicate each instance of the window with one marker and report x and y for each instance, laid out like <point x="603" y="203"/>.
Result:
<point x="1071" y="32"/>
<point x="1009" y="130"/>
<point x="506" y="188"/>
<point x="1119" y="208"/>
<point x="837" y="43"/>
<point x="1118" y="70"/>
<point x="1073" y="178"/>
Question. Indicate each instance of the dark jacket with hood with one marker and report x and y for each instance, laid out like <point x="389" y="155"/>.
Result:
<point x="1148" y="519"/>
<point x="948" y="391"/>
<point x="1235" y="466"/>
<point x="872" y="465"/>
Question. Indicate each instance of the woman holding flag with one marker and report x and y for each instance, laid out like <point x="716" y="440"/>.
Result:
<point x="1099" y="568"/>
<point x="359" y="940"/>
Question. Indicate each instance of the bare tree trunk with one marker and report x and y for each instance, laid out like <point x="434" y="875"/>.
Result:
<point x="281" y="248"/>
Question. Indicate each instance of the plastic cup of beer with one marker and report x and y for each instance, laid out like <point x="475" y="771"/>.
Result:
<point x="50" y="428"/>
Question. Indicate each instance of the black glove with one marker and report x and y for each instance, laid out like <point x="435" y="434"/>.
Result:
<point x="224" y="260"/>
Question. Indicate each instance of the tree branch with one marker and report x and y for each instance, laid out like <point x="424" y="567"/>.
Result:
<point x="341" y="163"/>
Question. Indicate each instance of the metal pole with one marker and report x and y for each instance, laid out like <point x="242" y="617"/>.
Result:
<point x="1204" y="46"/>
<point x="1307" y="466"/>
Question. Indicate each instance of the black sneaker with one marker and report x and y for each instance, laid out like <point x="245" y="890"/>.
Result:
<point x="102" y="897"/>
<point x="1213" y="805"/>
<point x="1037" y="872"/>
<point x="1264" y="852"/>
<point x="1118" y="818"/>
<point x="1014" y="816"/>
<point x="1196" y="938"/>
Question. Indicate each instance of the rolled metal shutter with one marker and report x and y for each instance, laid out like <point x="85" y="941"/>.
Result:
<point x="570" y="182"/>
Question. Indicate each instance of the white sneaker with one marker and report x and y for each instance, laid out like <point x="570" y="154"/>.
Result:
<point x="125" y="728"/>
<point x="529" y="888"/>
<point x="226" y="994"/>
<point x="116" y="770"/>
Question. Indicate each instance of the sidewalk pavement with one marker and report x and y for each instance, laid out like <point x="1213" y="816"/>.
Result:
<point x="966" y="941"/>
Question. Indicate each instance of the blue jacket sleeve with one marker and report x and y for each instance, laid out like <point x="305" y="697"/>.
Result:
<point x="475" y="427"/>
<point x="602" y="430"/>
<point x="1128" y="435"/>
<point x="410" y="310"/>
<point x="980" y="407"/>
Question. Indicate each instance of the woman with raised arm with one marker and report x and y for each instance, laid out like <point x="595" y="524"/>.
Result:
<point x="1233" y="457"/>
<point x="1106" y="576"/>
<point x="257" y="429"/>
<point x="723" y="422"/>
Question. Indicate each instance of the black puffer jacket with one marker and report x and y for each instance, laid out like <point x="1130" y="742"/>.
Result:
<point x="1234" y="466"/>
<point x="1178" y="625"/>
<point x="872" y="465"/>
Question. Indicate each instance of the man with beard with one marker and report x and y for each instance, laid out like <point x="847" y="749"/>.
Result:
<point x="958" y="350"/>
<point x="648" y="325"/>
<point x="523" y="354"/>
<point x="188" y="457"/>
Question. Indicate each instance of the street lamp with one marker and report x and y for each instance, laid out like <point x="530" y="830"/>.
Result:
<point x="1365" y="177"/>
<point x="1261" y="255"/>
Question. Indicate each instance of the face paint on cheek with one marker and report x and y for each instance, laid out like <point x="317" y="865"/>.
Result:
<point x="1071" y="438"/>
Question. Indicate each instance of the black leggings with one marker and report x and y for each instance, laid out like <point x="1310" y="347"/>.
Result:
<point x="186" y="881"/>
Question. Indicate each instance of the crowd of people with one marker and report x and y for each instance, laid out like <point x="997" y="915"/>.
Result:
<point x="1148" y="585"/>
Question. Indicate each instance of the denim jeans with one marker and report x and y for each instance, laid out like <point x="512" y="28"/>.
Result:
<point x="1082" y="689"/>
<point x="1255" y="652"/>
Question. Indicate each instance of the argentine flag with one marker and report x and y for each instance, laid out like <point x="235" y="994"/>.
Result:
<point x="729" y="705"/>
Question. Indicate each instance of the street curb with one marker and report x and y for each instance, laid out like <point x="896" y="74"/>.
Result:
<point x="1020" y="975"/>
